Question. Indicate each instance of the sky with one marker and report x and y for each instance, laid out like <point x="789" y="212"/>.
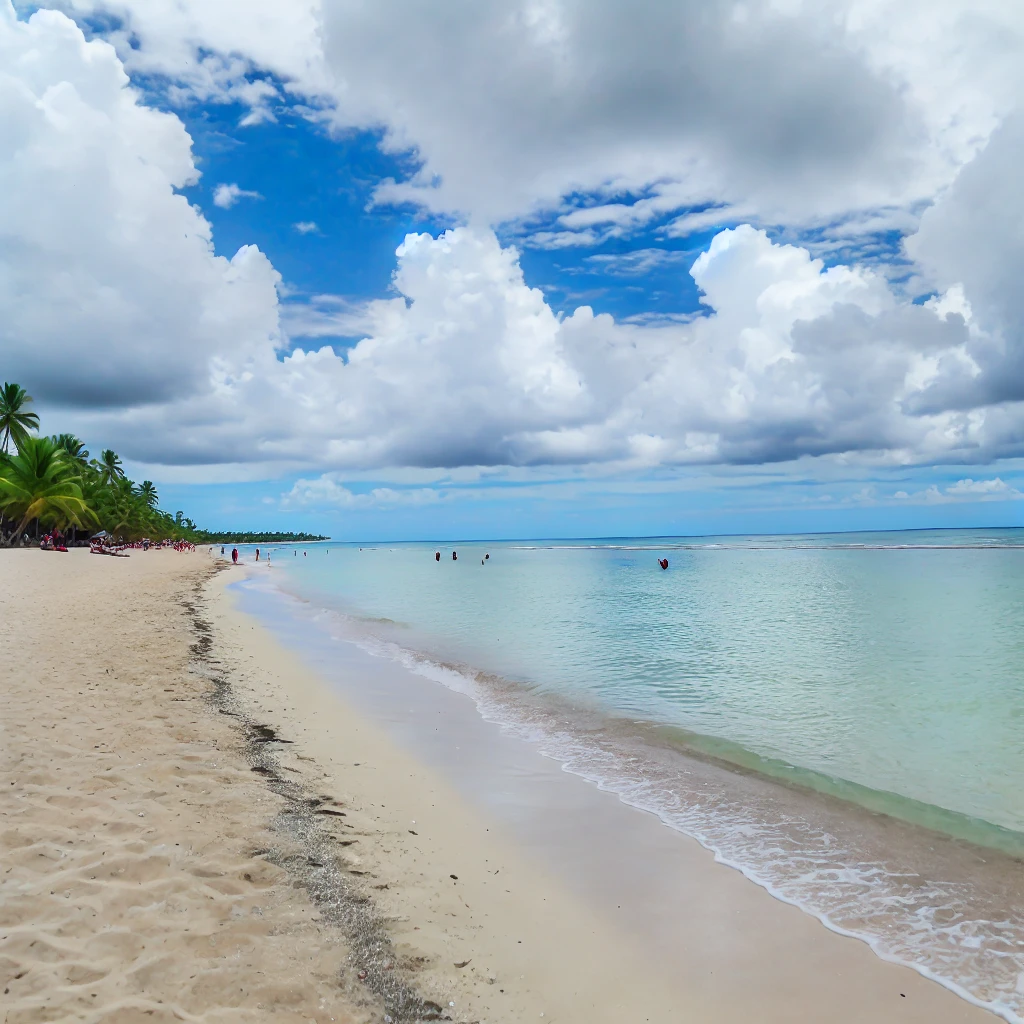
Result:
<point x="387" y="270"/>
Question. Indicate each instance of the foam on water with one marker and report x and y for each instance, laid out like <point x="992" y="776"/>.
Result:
<point x="797" y="816"/>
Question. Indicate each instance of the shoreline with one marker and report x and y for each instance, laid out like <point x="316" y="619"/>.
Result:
<point x="919" y="897"/>
<point x="708" y="895"/>
<point x="344" y="839"/>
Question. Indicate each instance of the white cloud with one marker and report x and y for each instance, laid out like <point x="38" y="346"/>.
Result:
<point x="110" y="293"/>
<point x="217" y="52"/>
<point x="324" y="316"/>
<point x="794" y="113"/>
<point x="469" y="366"/>
<point x="327" y="492"/>
<point x="963" y="490"/>
<point x="225" y="196"/>
<point x="636" y="263"/>
<point x="306" y="227"/>
<point x="563" y="239"/>
<point x="995" y="488"/>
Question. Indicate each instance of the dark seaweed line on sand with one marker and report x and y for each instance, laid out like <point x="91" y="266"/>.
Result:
<point x="314" y="866"/>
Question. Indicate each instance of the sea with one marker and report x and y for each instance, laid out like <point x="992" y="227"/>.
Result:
<point x="838" y="716"/>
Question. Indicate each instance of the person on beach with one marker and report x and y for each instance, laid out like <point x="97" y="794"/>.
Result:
<point x="234" y="555"/>
<point x="257" y="554"/>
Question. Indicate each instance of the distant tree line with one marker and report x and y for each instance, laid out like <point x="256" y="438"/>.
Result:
<point x="206" y="537"/>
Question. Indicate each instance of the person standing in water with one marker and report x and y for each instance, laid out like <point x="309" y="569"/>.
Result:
<point x="257" y="554"/>
<point x="437" y="556"/>
<point x="455" y="556"/>
<point x="234" y="555"/>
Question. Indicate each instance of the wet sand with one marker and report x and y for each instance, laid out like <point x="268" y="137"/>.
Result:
<point x="195" y="826"/>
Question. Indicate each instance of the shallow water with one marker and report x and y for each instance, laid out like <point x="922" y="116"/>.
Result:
<point x="882" y="669"/>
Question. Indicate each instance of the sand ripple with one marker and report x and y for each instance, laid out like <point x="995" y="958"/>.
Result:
<point x="130" y="888"/>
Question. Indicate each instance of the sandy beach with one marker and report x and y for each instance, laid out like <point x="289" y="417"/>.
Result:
<point x="195" y="826"/>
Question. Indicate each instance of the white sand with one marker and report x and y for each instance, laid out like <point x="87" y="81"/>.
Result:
<point x="131" y="887"/>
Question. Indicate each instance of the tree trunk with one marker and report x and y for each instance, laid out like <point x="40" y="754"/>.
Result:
<point x="16" y="536"/>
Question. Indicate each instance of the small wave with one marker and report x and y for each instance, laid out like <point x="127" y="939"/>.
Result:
<point x="830" y="859"/>
<point x="946" y="908"/>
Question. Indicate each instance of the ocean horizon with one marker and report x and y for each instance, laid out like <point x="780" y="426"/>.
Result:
<point x="839" y="716"/>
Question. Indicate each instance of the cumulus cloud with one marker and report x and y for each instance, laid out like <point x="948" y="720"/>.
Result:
<point x="327" y="492"/>
<point x="469" y="365"/>
<point x="963" y="490"/>
<point x="110" y="292"/>
<point x="784" y="113"/>
<point x="225" y="196"/>
<point x="306" y="227"/>
<point x="215" y="52"/>
<point x="995" y="488"/>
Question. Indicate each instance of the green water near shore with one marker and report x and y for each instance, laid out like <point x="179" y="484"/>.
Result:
<point x="886" y="664"/>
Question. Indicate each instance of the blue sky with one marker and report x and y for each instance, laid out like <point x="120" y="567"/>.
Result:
<point x="303" y="174"/>
<point x="776" y="293"/>
<point x="571" y="510"/>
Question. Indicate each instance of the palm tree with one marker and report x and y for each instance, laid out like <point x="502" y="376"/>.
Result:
<point x="108" y="467"/>
<point x="147" y="492"/>
<point x="15" y="421"/>
<point x="41" y="483"/>
<point x="79" y="457"/>
<point x="75" y="449"/>
<point x="122" y="512"/>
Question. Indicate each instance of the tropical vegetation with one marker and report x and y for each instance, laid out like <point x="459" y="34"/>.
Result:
<point x="248" y="537"/>
<point x="16" y="421"/>
<point x="51" y="483"/>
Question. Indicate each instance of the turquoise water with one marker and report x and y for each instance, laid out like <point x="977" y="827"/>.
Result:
<point x="899" y="669"/>
<point x="768" y="696"/>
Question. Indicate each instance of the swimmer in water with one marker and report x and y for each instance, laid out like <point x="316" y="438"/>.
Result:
<point x="663" y="562"/>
